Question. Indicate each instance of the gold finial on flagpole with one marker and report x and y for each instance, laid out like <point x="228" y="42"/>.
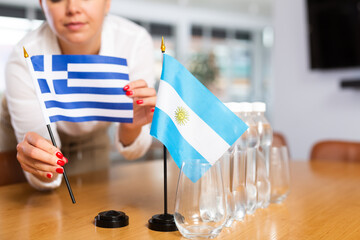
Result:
<point x="162" y="45"/>
<point x="26" y="55"/>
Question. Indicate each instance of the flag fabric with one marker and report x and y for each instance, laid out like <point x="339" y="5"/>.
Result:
<point x="190" y="121"/>
<point x="79" y="88"/>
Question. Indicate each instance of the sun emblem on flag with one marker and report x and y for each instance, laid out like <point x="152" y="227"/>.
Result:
<point x="181" y="116"/>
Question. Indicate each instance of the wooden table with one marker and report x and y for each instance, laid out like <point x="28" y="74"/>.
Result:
<point x="324" y="203"/>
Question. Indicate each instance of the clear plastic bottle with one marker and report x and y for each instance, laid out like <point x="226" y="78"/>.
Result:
<point x="237" y="172"/>
<point x="249" y="141"/>
<point x="263" y="153"/>
<point x="226" y="162"/>
<point x="239" y="181"/>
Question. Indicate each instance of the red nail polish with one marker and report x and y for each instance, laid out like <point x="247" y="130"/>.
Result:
<point x="60" y="170"/>
<point x="66" y="160"/>
<point x="153" y="109"/>
<point x="139" y="101"/>
<point x="129" y="93"/>
<point x="60" y="162"/>
<point x="59" y="155"/>
<point x="49" y="175"/>
<point x="126" y="87"/>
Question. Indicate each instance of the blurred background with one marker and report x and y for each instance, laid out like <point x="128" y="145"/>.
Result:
<point x="293" y="55"/>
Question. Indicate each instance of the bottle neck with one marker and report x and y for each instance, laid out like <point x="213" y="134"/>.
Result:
<point x="245" y="114"/>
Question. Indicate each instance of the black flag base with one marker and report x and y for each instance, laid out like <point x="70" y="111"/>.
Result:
<point x="162" y="223"/>
<point x="111" y="219"/>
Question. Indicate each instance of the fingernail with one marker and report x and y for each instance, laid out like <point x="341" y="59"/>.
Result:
<point x="129" y="93"/>
<point x="59" y="155"/>
<point x="49" y="175"/>
<point x="139" y="101"/>
<point x="61" y="163"/>
<point x="153" y="109"/>
<point x="60" y="170"/>
<point x="66" y="160"/>
<point x="126" y="87"/>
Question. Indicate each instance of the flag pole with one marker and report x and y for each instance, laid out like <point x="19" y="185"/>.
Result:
<point x="164" y="149"/>
<point x="163" y="222"/>
<point x="26" y="56"/>
<point x="165" y="181"/>
<point x="64" y="173"/>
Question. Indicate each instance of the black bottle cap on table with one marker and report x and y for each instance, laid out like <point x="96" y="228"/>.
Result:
<point x="111" y="219"/>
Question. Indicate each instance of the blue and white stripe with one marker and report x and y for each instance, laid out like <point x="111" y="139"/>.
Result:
<point x="79" y="88"/>
<point x="211" y="129"/>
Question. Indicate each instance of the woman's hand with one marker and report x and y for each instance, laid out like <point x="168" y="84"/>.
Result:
<point x="144" y="102"/>
<point x="144" y="99"/>
<point x="38" y="156"/>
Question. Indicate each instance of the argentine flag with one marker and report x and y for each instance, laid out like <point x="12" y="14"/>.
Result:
<point x="190" y="121"/>
<point x="79" y="88"/>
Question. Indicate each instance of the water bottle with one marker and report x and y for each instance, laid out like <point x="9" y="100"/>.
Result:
<point x="262" y="154"/>
<point x="227" y="167"/>
<point x="239" y="179"/>
<point x="235" y="164"/>
<point x="250" y="141"/>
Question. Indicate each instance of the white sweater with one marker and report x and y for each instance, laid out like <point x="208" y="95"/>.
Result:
<point x="120" y="38"/>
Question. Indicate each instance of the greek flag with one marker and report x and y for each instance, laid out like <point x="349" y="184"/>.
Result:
<point x="190" y="121"/>
<point x="79" y="88"/>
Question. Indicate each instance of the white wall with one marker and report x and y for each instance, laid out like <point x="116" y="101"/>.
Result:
<point x="308" y="105"/>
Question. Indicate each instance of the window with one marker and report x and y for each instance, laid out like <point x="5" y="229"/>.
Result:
<point x="221" y="59"/>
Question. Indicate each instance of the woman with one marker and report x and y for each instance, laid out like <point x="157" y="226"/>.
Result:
<point x="78" y="27"/>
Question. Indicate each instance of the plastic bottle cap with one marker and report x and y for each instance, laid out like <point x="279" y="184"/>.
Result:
<point x="245" y="107"/>
<point x="233" y="106"/>
<point x="258" y="107"/>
